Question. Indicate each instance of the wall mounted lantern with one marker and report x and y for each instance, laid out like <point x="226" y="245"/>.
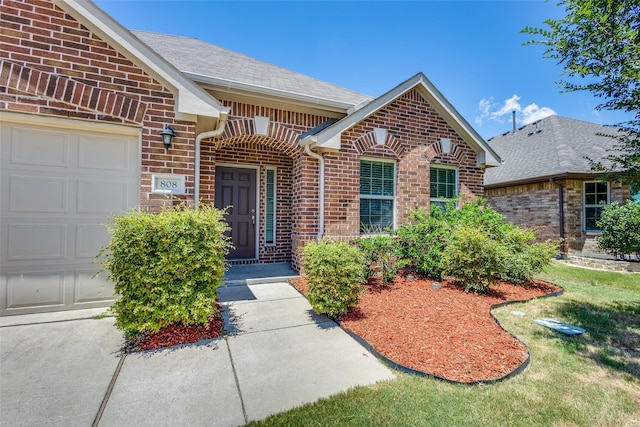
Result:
<point x="167" y="136"/>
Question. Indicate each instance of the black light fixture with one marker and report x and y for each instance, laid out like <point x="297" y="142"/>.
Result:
<point x="167" y="136"/>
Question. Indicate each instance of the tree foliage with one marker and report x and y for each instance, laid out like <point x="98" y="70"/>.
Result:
<point x="598" y="45"/>
<point x="620" y="225"/>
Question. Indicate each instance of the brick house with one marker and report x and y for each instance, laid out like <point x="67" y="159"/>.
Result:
<point x="546" y="181"/>
<point x="83" y="104"/>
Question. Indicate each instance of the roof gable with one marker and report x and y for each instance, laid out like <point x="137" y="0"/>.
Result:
<point x="330" y="136"/>
<point x="550" y="147"/>
<point x="191" y="100"/>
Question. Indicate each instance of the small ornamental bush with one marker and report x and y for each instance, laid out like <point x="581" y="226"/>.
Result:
<point x="473" y="257"/>
<point x="336" y="275"/>
<point x="525" y="257"/>
<point x="381" y="253"/>
<point x="620" y="225"/>
<point x="421" y="242"/>
<point x="166" y="267"/>
<point x="463" y="242"/>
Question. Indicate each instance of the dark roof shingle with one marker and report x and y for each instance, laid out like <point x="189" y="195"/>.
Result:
<point x="549" y="147"/>
<point x="194" y="56"/>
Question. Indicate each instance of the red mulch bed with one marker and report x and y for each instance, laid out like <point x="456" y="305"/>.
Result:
<point x="445" y="332"/>
<point x="174" y="335"/>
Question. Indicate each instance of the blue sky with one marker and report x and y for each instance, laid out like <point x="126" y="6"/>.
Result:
<point x="471" y="50"/>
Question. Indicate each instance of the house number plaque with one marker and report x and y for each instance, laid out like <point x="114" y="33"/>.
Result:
<point x="168" y="184"/>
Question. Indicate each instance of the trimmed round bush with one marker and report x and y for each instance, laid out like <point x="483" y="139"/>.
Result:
<point x="336" y="274"/>
<point x="166" y="267"/>
<point x="473" y="257"/>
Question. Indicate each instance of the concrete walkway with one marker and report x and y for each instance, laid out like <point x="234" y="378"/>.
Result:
<point x="65" y="368"/>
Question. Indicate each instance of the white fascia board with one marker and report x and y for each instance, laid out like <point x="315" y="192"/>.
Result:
<point x="359" y="115"/>
<point x="440" y="103"/>
<point x="191" y="100"/>
<point x="486" y="155"/>
<point x="294" y="96"/>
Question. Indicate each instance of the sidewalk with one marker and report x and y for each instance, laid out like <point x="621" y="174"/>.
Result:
<point x="278" y="354"/>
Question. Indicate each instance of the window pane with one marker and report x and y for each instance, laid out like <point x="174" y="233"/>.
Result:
<point x="592" y="215"/>
<point x="377" y="178"/>
<point x="443" y="183"/>
<point x="375" y="215"/>
<point x="270" y="207"/>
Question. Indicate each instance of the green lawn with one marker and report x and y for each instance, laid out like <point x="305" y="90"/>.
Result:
<point x="589" y="380"/>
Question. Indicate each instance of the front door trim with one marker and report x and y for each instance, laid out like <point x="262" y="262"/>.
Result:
<point x="258" y="183"/>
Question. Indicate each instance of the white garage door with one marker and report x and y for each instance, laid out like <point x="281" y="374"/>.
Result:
<point x="60" y="182"/>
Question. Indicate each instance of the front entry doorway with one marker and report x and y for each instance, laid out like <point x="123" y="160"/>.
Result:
<point x="236" y="189"/>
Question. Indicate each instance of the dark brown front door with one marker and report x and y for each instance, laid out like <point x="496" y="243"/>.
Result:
<point x="236" y="189"/>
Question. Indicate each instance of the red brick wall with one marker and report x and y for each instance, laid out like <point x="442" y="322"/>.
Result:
<point x="531" y="206"/>
<point x="297" y="173"/>
<point x="243" y="154"/>
<point x="414" y="129"/>
<point x="52" y="65"/>
<point x="536" y="206"/>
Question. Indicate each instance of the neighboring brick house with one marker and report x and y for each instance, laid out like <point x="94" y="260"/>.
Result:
<point x="546" y="181"/>
<point x="83" y="103"/>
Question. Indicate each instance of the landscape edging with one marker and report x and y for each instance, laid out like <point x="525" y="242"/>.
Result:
<point x="397" y="366"/>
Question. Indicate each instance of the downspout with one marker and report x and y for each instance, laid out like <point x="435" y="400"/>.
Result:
<point x="307" y="150"/>
<point x="222" y="121"/>
<point x="561" y="214"/>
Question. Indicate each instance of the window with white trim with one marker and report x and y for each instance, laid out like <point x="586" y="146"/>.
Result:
<point x="443" y="184"/>
<point x="596" y="195"/>
<point x="270" y="207"/>
<point x="377" y="195"/>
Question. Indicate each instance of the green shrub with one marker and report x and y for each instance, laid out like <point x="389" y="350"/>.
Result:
<point x="336" y="275"/>
<point x="166" y="267"/>
<point x="381" y="253"/>
<point x="473" y="257"/>
<point x="620" y="225"/>
<point x="434" y="244"/>
<point x="525" y="257"/>
<point x="477" y="214"/>
<point x="421" y="242"/>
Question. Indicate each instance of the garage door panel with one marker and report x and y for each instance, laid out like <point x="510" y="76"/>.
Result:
<point x="103" y="153"/>
<point x="102" y="197"/>
<point x="59" y="185"/>
<point x="35" y="288"/>
<point x="91" y="289"/>
<point x="38" y="194"/>
<point x="36" y="242"/>
<point x="39" y="148"/>
<point x="90" y="238"/>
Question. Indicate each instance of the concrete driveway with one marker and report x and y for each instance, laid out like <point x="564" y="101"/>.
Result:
<point x="65" y="368"/>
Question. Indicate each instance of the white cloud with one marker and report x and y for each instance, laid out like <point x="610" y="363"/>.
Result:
<point x="509" y="106"/>
<point x="501" y="112"/>
<point x="532" y="113"/>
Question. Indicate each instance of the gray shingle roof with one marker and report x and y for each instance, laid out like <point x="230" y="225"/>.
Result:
<point x="549" y="147"/>
<point x="194" y="56"/>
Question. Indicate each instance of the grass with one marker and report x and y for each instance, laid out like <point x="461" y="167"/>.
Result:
<point x="588" y="380"/>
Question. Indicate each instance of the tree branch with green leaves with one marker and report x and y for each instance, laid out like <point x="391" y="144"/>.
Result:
<point x="598" y="45"/>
